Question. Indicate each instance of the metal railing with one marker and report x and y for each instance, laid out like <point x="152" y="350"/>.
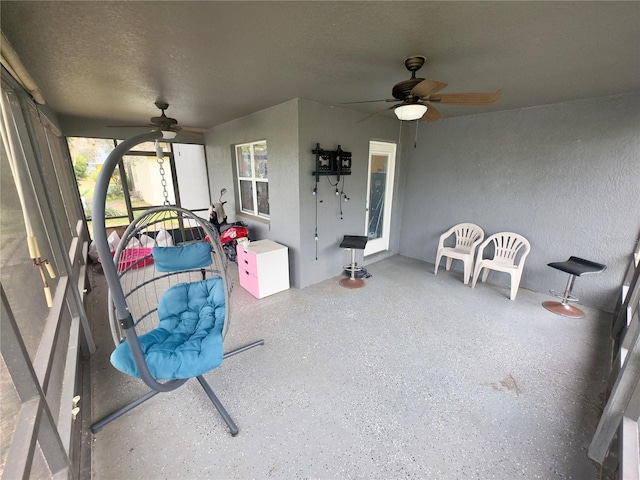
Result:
<point x="615" y="444"/>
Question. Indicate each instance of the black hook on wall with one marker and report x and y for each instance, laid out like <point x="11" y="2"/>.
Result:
<point x="328" y="163"/>
<point x="331" y="162"/>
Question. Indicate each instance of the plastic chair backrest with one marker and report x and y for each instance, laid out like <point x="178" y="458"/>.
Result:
<point x="467" y="234"/>
<point x="507" y="245"/>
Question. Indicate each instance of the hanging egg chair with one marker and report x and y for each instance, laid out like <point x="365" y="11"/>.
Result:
<point x="169" y="292"/>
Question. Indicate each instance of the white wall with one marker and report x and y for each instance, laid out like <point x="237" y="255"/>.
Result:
<point x="565" y="176"/>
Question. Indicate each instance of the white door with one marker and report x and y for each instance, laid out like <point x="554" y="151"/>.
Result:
<point x="382" y="159"/>
<point x="192" y="177"/>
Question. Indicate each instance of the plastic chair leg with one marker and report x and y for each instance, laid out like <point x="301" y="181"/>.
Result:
<point x="485" y="274"/>
<point x="515" y="283"/>
<point x="467" y="270"/>
<point x="438" y="258"/>
<point x="476" y="274"/>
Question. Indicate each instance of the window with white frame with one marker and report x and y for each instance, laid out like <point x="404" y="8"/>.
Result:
<point x="253" y="182"/>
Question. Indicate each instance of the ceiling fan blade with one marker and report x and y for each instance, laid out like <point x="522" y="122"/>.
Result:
<point x="427" y="87"/>
<point x="378" y="113"/>
<point x="468" y="98"/>
<point x="432" y="114"/>
<point x="195" y="129"/>
<point x="141" y="125"/>
<point x="186" y="135"/>
<point x="370" y="101"/>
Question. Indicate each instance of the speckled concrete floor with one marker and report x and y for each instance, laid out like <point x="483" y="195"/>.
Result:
<point x="413" y="376"/>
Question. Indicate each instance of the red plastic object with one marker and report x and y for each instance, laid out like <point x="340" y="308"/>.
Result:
<point x="135" y="257"/>
<point x="233" y="233"/>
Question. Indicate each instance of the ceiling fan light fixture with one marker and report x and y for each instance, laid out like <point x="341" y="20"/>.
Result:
<point x="169" y="134"/>
<point x="410" y="112"/>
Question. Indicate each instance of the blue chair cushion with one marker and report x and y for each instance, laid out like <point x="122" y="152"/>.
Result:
<point x="188" y="339"/>
<point x="182" y="257"/>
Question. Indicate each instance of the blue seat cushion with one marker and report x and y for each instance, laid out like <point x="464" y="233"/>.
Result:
<point x="187" y="341"/>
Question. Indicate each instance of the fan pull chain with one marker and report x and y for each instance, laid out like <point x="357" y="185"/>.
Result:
<point x="315" y="194"/>
<point x="163" y="180"/>
<point x="415" y="142"/>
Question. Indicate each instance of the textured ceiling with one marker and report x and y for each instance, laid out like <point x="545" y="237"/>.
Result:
<point x="217" y="61"/>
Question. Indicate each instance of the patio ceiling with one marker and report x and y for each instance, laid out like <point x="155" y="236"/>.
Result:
<point x="217" y="61"/>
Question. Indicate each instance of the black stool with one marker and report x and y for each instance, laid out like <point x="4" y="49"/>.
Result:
<point x="354" y="242"/>
<point x="575" y="267"/>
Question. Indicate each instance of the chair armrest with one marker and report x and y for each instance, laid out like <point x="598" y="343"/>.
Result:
<point x="523" y="257"/>
<point x="476" y="243"/>
<point x="444" y="236"/>
<point x="481" y="248"/>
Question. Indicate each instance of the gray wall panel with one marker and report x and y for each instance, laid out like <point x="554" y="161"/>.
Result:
<point x="292" y="130"/>
<point x="279" y="127"/>
<point x="565" y="176"/>
<point x="330" y="127"/>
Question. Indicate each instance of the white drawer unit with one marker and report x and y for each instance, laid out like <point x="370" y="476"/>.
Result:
<point x="263" y="267"/>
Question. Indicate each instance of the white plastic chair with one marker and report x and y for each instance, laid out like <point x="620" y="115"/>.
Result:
<point x="468" y="236"/>
<point x="507" y="247"/>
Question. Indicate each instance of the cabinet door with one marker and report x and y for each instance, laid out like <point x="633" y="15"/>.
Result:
<point x="263" y="268"/>
<point x="249" y="282"/>
<point x="247" y="261"/>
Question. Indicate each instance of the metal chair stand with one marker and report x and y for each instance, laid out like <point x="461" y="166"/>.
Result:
<point x="233" y="429"/>
<point x="575" y="267"/>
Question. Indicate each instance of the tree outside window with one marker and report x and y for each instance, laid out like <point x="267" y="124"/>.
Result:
<point x="253" y="182"/>
<point x="139" y="169"/>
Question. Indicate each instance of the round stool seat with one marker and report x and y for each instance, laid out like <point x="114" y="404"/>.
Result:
<point x="575" y="267"/>
<point x="354" y="242"/>
<point x="578" y="266"/>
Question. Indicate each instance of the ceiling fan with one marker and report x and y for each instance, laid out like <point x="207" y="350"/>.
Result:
<point x="169" y="126"/>
<point x="416" y="96"/>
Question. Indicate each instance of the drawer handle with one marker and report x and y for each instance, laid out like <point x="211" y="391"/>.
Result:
<point x="246" y="262"/>
<point x="246" y="272"/>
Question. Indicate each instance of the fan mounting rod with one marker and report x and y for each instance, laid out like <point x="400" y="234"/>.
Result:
<point x="402" y="90"/>
<point x="414" y="64"/>
<point x="162" y="106"/>
<point x="163" y="120"/>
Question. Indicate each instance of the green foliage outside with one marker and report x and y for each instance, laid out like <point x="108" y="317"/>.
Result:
<point x="80" y="167"/>
<point x="115" y="192"/>
<point x="88" y="155"/>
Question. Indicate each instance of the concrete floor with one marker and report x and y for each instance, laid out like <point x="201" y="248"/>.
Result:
<point x="412" y="376"/>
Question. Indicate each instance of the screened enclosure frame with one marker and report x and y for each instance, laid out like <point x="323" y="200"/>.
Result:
<point x="48" y="383"/>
